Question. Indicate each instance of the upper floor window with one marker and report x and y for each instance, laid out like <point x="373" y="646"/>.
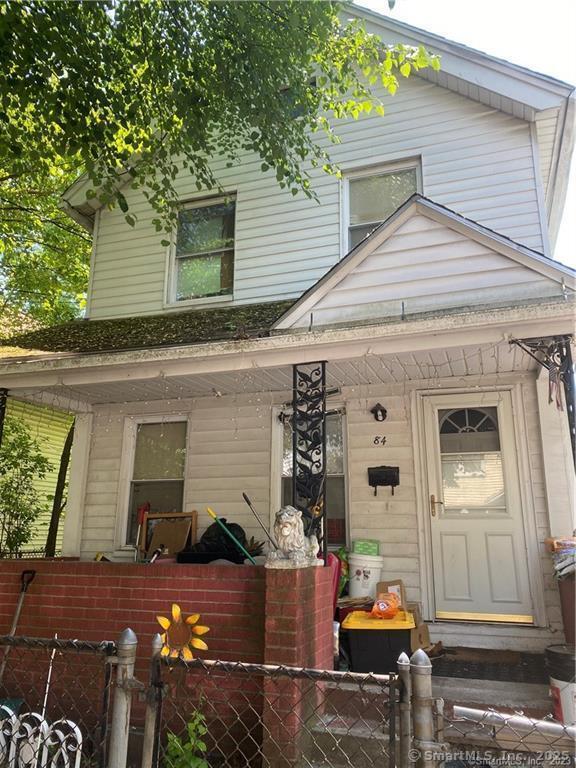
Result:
<point x="374" y="195"/>
<point x="204" y="259"/>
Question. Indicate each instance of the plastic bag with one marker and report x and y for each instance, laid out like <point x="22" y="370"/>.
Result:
<point x="386" y="607"/>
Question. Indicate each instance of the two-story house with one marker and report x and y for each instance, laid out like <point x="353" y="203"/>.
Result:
<point x="412" y="280"/>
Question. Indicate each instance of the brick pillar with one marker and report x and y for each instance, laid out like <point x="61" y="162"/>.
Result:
<point x="298" y="633"/>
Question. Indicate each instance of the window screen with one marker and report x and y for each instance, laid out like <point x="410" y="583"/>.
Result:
<point x="158" y="474"/>
<point x="374" y="198"/>
<point x="205" y="250"/>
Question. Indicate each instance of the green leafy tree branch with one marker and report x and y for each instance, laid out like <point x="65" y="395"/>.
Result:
<point x="137" y="93"/>
<point x="21" y="463"/>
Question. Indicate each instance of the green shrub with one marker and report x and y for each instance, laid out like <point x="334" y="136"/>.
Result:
<point x="21" y="463"/>
<point x="188" y="751"/>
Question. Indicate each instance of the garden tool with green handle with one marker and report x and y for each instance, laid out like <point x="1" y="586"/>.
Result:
<point x="222" y="525"/>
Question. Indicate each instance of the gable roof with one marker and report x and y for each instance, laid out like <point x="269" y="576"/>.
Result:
<point x="524" y="87"/>
<point x="510" y="88"/>
<point x="545" y="101"/>
<point x="444" y="265"/>
<point x="145" y="332"/>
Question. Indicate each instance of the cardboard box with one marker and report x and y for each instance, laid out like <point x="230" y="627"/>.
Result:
<point x="419" y="636"/>
<point x="396" y="587"/>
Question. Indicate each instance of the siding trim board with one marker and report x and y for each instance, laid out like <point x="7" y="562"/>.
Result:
<point x="417" y="205"/>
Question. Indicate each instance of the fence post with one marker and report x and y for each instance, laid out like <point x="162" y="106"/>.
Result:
<point x="422" y="708"/>
<point x="405" y="710"/>
<point x="126" y="657"/>
<point x="153" y="703"/>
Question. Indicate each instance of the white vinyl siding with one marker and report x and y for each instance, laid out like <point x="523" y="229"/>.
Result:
<point x="474" y="159"/>
<point x="426" y="266"/>
<point x="546" y="132"/>
<point x="231" y="452"/>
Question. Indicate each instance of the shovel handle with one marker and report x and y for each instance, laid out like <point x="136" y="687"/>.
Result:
<point x="26" y="578"/>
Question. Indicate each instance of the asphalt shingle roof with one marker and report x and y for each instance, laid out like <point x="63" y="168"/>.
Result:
<point x="192" y="327"/>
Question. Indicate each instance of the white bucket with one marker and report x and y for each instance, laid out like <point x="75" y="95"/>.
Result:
<point x="365" y="573"/>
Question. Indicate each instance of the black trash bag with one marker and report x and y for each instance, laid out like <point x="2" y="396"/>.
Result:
<point x="215" y="540"/>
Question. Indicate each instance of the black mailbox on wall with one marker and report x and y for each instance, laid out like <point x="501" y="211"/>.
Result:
<point x="383" y="476"/>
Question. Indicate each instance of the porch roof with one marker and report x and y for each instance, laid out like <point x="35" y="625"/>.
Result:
<point x="425" y="348"/>
<point x="144" y="332"/>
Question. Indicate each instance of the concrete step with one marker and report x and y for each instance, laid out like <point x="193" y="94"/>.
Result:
<point x="341" y="741"/>
<point x="367" y="703"/>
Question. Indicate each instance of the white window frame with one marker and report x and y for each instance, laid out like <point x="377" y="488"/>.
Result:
<point x="381" y="169"/>
<point x="277" y="455"/>
<point x="171" y="258"/>
<point x="130" y="433"/>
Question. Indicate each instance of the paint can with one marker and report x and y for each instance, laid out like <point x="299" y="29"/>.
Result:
<point x="365" y="571"/>
<point x="560" y="661"/>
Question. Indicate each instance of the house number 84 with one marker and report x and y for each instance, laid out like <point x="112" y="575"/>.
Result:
<point x="379" y="440"/>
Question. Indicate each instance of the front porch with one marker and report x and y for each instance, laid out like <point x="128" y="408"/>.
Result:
<point x="230" y="395"/>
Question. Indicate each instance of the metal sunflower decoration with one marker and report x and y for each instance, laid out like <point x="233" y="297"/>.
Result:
<point x="181" y="635"/>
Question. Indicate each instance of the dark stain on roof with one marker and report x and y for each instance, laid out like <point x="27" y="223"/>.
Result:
<point x="198" y="326"/>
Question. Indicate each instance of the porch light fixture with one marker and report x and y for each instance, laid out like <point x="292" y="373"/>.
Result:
<point x="379" y="412"/>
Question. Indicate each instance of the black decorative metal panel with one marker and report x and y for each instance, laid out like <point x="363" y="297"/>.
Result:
<point x="555" y="354"/>
<point x="309" y="447"/>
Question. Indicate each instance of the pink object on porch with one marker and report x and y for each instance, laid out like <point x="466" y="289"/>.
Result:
<point x="335" y="566"/>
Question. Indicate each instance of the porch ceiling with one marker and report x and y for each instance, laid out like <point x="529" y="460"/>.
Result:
<point x="457" y="362"/>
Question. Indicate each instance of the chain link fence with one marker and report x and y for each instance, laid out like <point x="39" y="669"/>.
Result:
<point x="55" y="712"/>
<point x="29" y="554"/>
<point x="235" y="715"/>
<point x="54" y="702"/>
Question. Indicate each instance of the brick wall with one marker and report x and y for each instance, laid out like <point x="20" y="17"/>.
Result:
<point x="299" y="618"/>
<point x="299" y="612"/>
<point x="254" y="615"/>
<point x="96" y="601"/>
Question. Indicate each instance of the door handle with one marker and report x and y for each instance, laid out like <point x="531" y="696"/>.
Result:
<point x="433" y="502"/>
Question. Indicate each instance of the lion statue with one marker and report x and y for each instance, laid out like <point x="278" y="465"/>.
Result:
<point x="295" y="550"/>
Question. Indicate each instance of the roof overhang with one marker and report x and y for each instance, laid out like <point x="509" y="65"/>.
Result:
<point x="439" y="331"/>
<point x="462" y="64"/>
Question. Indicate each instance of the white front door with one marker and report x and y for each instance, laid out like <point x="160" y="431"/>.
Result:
<point x="478" y="541"/>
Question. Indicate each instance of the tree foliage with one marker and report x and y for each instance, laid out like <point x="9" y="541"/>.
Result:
<point x="21" y="463"/>
<point x="139" y="92"/>
<point x="44" y="255"/>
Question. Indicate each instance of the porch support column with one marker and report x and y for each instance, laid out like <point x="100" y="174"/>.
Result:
<point x="3" y="404"/>
<point x="79" y="458"/>
<point x="558" y="468"/>
<point x="309" y="448"/>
